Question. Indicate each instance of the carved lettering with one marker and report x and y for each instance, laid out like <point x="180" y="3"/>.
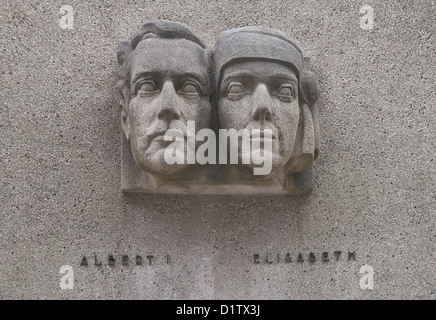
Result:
<point x="84" y="262"/>
<point x="312" y="257"/>
<point x="300" y="258"/>
<point x="288" y="258"/>
<point x="111" y="260"/>
<point x="149" y="258"/>
<point x="125" y="260"/>
<point x="96" y="262"/>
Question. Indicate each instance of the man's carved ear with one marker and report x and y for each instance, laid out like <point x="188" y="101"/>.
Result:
<point x="123" y="53"/>
<point x="125" y="123"/>
<point x="124" y="104"/>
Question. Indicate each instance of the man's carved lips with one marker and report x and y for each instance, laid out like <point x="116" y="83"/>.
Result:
<point x="260" y="134"/>
<point x="158" y="130"/>
<point x="159" y="136"/>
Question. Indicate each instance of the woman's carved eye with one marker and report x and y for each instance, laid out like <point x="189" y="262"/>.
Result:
<point x="285" y="93"/>
<point x="147" y="88"/>
<point x="236" y="91"/>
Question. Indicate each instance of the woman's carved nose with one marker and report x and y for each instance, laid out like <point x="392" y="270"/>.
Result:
<point x="262" y="104"/>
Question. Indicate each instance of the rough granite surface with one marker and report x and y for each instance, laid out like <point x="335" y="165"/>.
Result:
<point x="374" y="183"/>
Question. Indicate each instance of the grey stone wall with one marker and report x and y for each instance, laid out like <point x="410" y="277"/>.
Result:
<point x="374" y="183"/>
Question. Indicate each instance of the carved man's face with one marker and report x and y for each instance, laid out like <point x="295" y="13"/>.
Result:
<point x="261" y="95"/>
<point x="169" y="86"/>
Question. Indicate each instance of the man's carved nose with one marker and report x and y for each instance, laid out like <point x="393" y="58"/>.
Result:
<point x="168" y="109"/>
<point x="262" y="104"/>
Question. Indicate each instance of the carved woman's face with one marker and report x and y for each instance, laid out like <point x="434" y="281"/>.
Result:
<point x="169" y="86"/>
<point x="261" y="95"/>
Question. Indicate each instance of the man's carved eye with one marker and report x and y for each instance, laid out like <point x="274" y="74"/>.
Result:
<point x="236" y="91"/>
<point x="147" y="88"/>
<point x="190" y="90"/>
<point x="285" y="93"/>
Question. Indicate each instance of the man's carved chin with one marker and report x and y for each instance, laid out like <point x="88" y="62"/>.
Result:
<point x="154" y="164"/>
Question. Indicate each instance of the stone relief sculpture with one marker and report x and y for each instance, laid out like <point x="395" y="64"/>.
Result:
<point x="237" y="119"/>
